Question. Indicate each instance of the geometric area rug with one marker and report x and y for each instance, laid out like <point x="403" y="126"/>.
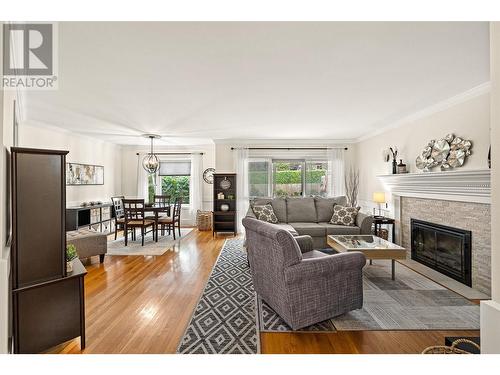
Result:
<point x="224" y="320"/>
<point x="411" y="302"/>
<point x="229" y="317"/>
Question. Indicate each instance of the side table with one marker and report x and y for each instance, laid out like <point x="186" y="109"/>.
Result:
<point x="378" y="221"/>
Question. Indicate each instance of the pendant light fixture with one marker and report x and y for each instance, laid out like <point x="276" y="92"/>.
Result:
<point x="151" y="163"/>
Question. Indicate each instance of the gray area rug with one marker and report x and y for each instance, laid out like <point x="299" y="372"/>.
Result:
<point x="411" y="302"/>
<point x="224" y="321"/>
<point x="151" y="247"/>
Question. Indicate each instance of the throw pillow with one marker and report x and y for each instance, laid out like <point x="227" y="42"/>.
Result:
<point x="344" y="215"/>
<point x="265" y="213"/>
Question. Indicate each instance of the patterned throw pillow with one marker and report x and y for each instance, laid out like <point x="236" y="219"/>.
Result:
<point x="265" y="213"/>
<point x="344" y="215"/>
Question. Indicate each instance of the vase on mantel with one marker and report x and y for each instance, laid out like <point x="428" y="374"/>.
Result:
<point x="394" y="166"/>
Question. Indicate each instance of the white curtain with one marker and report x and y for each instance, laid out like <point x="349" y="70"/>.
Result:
<point x="142" y="179"/>
<point x="241" y="169"/>
<point x="336" y="170"/>
<point x="196" y="188"/>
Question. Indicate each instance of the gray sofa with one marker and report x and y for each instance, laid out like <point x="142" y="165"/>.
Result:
<point x="311" y="216"/>
<point x="304" y="286"/>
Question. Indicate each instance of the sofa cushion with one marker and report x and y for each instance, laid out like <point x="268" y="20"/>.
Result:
<point x="340" y="229"/>
<point x="265" y="213"/>
<point x="301" y="210"/>
<point x="279" y="206"/>
<point x="324" y="207"/>
<point x="312" y="229"/>
<point x="344" y="215"/>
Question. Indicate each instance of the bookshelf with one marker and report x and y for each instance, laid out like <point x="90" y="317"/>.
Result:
<point x="224" y="209"/>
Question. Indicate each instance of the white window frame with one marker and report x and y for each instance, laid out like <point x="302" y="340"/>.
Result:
<point x="271" y="188"/>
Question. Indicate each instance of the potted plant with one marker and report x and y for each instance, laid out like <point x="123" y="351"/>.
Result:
<point x="70" y="255"/>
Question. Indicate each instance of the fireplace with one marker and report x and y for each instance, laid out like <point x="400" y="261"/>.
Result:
<point x="443" y="248"/>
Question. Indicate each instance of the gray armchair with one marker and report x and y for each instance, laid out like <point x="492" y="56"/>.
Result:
<point x="302" y="285"/>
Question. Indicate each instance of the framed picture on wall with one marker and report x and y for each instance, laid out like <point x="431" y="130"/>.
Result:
<point x="84" y="174"/>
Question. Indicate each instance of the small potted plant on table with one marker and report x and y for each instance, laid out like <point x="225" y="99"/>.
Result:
<point x="71" y="254"/>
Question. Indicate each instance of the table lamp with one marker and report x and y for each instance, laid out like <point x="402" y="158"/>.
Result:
<point x="379" y="198"/>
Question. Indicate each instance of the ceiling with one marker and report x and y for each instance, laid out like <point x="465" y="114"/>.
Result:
<point x="193" y="82"/>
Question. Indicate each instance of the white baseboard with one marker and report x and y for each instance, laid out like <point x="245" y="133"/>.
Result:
<point x="490" y="327"/>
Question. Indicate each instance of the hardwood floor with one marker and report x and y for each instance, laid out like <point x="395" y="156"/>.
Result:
<point x="361" y="342"/>
<point x="138" y="304"/>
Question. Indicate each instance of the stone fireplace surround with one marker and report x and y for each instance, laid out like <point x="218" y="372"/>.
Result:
<point x="475" y="217"/>
<point x="458" y="199"/>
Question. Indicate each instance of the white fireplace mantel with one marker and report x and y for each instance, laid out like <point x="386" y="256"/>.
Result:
<point x="457" y="185"/>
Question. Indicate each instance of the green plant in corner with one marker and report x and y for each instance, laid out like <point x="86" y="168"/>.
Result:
<point x="71" y="253"/>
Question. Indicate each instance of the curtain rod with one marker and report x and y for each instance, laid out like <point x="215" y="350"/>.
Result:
<point x="290" y="148"/>
<point x="176" y="153"/>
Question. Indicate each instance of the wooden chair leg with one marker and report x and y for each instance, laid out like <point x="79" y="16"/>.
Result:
<point x="116" y="231"/>
<point x="126" y="236"/>
<point x="101" y="258"/>
<point x="173" y="229"/>
<point x="142" y="236"/>
<point x="179" y="226"/>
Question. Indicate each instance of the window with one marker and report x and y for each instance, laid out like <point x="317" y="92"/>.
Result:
<point x="287" y="177"/>
<point x="176" y="186"/>
<point x="316" y="178"/>
<point x="174" y="179"/>
<point x="258" y="178"/>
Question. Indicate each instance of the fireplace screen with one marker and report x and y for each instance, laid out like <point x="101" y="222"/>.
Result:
<point x="445" y="249"/>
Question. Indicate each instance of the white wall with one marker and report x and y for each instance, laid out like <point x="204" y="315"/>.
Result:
<point x="469" y="119"/>
<point x="490" y="310"/>
<point x="6" y="135"/>
<point x="83" y="150"/>
<point x="129" y="166"/>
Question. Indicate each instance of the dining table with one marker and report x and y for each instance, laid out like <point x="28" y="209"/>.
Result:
<point x="157" y="209"/>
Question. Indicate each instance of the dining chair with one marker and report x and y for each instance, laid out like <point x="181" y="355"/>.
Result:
<point x="118" y="213"/>
<point x="134" y="218"/>
<point x="162" y="201"/>
<point x="171" y="221"/>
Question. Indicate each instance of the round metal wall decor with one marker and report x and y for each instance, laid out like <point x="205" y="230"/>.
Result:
<point x="225" y="184"/>
<point x="208" y="175"/>
<point x="449" y="152"/>
<point x="440" y="150"/>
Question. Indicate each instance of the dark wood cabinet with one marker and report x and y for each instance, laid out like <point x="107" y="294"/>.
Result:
<point x="224" y="210"/>
<point x="48" y="306"/>
<point x="50" y="313"/>
<point x="38" y="216"/>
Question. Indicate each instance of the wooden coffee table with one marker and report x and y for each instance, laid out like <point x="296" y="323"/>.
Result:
<point x="372" y="247"/>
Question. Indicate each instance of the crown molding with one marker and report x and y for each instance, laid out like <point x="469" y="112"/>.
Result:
<point x="479" y="90"/>
<point x="470" y="185"/>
